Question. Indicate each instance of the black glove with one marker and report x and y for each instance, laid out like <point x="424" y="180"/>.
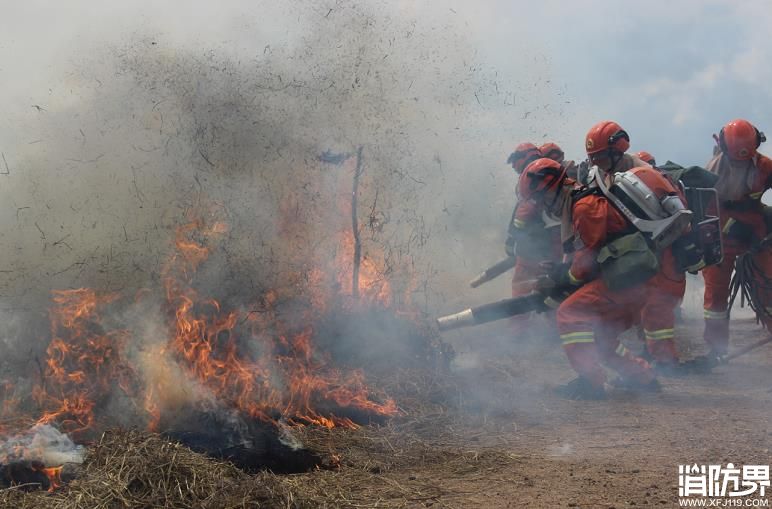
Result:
<point x="688" y="254"/>
<point x="559" y="274"/>
<point x="741" y="232"/>
<point x="556" y="285"/>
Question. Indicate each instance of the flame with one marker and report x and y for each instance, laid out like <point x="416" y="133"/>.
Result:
<point x="288" y="378"/>
<point x="54" y="475"/>
<point x="373" y="286"/>
<point x="84" y="362"/>
<point x="257" y="361"/>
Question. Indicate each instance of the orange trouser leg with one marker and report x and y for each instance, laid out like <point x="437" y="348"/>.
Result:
<point x="594" y="307"/>
<point x="716" y="301"/>
<point x="663" y="296"/>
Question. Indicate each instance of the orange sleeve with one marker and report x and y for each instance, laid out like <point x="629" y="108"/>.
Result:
<point x="765" y="165"/>
<point x="527" y="211"/>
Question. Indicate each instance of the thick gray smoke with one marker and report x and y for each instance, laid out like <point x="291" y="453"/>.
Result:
<point x="138" y="131"/>
<point x="144" y="129"/>
<point x="42" y="443"/>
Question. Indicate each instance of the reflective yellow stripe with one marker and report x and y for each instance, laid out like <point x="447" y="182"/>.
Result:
<point x="621" y="350"/>
<point x="728" y="225"/>
<point x="519" y="223"/>
<point x="716" y="315"/>
<point x="577" y="337"/>
<point x="660" y="338"/>
<point x="756" y="196"/>
<point x="659" y="334"/>
<point x="573" y="279"/>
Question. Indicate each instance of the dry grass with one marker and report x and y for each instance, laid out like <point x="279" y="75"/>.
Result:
<point x="133" y="469"/>
<point x="414" y="460"/>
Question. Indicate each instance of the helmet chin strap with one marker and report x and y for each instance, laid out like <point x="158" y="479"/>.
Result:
<point x="741" y="164"/>
<point x="563" y="197"/>
<point x="615" y="157"/>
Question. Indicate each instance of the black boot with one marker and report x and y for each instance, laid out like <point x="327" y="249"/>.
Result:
<point x="703" y="364"/>
<point x="581" y="389"/>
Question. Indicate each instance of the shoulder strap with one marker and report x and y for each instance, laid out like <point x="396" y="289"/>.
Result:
<point x="662" y="232"/>
<point x="582" y="192"/>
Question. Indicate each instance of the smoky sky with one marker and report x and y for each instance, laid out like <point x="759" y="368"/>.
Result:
<point x="671" y="73"/>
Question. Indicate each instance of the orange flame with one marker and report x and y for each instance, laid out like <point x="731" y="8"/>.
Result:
<point x="373" y="285"/>
<point x="54" y="475"/>
<point x="257" y="362"/>
<point x="287" y="378"/>
<point x="84" y="362"/>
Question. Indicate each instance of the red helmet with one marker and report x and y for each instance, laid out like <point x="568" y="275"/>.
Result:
<point x="539" y="177"/>
<point x="646" y="157"/>
<point x="552" y="151"/>
<point x="739" y="139"/>
<point x="524" y="154"/>
<point x="606" y="135"/>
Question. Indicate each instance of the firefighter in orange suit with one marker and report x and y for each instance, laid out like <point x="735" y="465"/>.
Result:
<point x="589" y="319"/>
<point x="743" y="176"/>
<point x="536" y="241"/>
<point x="526" y="228"/>
<point x="606" y="144"/>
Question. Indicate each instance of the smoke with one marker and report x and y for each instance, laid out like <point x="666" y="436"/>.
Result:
<point x="42" y="443"/>
<point x="139" y="130"/>
<point x="146" y="127"/>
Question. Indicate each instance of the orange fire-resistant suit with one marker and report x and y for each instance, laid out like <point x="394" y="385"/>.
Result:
<point x="536" y="243"/>
<point x="740" y="187"/>
<point x="664" y="293"/>
<point x="592" y="317"/>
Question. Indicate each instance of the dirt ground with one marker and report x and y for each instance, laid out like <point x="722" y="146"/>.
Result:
<point x="511" y="442"/>
<point x="625" y="451"/>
